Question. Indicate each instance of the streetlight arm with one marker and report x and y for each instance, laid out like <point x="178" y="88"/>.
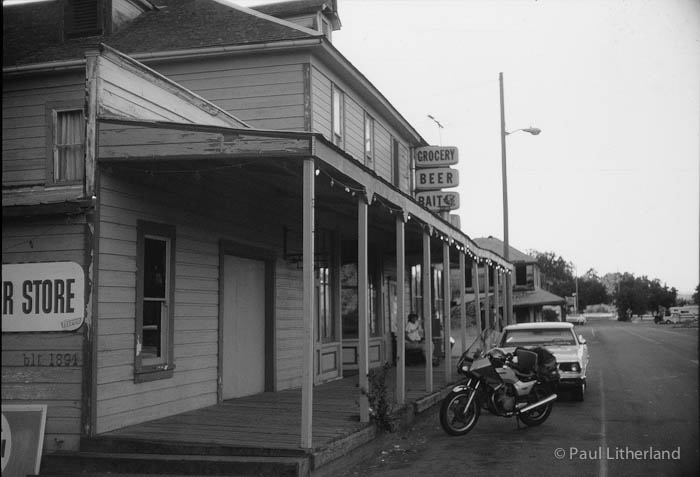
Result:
<point x="531" y="130"/>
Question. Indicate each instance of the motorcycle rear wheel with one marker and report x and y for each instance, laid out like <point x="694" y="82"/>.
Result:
<point x="540" y="414"/>
<point x="454" y="418"/>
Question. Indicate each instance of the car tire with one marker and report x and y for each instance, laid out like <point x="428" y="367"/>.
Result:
<point x="579" y="391"/>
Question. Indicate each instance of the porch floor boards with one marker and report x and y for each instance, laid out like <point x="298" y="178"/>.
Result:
<point x="272" y="420"/>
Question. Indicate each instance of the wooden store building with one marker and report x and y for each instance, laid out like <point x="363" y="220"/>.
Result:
<point x="202" y="202"/>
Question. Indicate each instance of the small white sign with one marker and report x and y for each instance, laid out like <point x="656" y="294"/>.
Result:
<point x="435" y="156"/>
<point x="43" y="296"/>
<point x="436" y="178"/>
<point x="438" y="200"/>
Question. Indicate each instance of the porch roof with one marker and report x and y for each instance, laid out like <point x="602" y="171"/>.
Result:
<point x="535" y="297"/>
<point x="147" y="143"/>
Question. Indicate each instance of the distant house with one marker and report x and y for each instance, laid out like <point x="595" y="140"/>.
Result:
<point x="208" y="202"/>
<point x="529" y="297"/>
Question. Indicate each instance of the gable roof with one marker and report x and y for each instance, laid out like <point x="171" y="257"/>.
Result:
<point x="301" y="7"/>
<point x="536" y="297"/>
<point x="174" y="25"/>
<point x="496" y="245"/>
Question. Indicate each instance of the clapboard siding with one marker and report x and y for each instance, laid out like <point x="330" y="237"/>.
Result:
<point x="240" y="216"/>
<point x="354" y="129"/>
<point x="355" y="108"/>
<point x="265" y="92"/>
<point x="25" y="125"/>
<point x="382" y="151"/>
<point x="25" y="380"/>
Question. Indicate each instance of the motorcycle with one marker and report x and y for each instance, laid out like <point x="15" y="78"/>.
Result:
<point x="521" y="384"/>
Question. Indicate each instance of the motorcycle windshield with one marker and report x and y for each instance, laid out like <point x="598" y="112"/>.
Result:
<point x="483" y="342"/>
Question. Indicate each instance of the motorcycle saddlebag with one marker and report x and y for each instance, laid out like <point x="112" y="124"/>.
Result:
<point x="547" y="367"/>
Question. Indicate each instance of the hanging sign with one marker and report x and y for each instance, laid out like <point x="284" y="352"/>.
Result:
<point x="43" y="296"/>
<point x="22" y="438"/>
<point x="436" y="178"/>
<point x="435" y="156"/>
<point x="438" y="200"/>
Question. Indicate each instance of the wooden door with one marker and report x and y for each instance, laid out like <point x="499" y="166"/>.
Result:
<point x="243" y="360"/>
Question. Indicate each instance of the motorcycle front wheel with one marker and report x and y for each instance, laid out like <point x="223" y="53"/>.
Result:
<point x="455" y="418"/>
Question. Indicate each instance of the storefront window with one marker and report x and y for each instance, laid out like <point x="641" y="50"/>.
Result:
<point x="154" y="301"/>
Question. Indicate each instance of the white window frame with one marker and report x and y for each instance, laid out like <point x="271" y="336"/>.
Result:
<point x="161" y="367"/>
<point x="369" y="144"/>
<point x="337" y="116"/>
<point x="53" y="168"/>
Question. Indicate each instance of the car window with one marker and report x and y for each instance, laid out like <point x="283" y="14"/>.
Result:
<point x="534" y="337"/>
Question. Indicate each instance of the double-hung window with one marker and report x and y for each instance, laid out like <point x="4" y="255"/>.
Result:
<point x="395" y="169"/>
<point x="154" y="301"/>
<point x="68" y="146"/>
<point x="369" y="140"/>
<point x="338" y="115"/>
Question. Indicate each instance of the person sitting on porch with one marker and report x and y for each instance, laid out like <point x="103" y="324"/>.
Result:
<point x="414" y="340"/>
<point x="414" y="332"/>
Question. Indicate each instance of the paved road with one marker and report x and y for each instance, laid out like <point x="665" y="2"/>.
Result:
<point x="639" y="417"/>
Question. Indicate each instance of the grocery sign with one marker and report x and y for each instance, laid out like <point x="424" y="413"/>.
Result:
<point x="43" y="296"/>
<point x="436" y="156"/>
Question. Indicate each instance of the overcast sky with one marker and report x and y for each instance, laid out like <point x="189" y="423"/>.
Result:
<point x="612" y="183"/>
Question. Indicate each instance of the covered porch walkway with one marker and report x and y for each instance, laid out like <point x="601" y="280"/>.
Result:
<point x="267" y="425"/>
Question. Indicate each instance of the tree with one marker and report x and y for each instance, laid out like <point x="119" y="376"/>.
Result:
<point x="557" y="273"/>
<point x="591" y="290"/>
<point x="640" y="295"/>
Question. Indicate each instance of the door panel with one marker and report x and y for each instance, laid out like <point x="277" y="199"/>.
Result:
<point x="243" y="360"/>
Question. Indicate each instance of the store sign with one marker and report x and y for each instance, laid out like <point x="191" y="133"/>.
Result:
<point x="436" y="178"/>
<point x="22" y="438"/>
<point x="43" y="296"/>
<point x="438" y="200"/>
<point x="435" y="156"/>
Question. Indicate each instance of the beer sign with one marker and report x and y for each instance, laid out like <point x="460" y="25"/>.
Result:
<point x="436" y="156"/>
<point x="43" y="296"/>
<point x="436" y="178"/>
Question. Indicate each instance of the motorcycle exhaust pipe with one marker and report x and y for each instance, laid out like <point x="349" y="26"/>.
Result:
<point x="537" y="404"/>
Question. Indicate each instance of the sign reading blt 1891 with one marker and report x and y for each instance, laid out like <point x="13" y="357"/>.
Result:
<point x="43" y="296"/>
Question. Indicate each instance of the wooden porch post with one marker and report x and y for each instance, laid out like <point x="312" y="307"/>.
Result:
<point x="427" y="312"/>
<point x="496" y="298"/>
<point x="463" y="306"/>
<point x="477" y="294"/>
<point x="504" y="292"/>
<point x="446" y="299"/>
<point x="400" y="310"/>
<point x="363" y="306"/>
<point x="487" y="297"/>
<point x="307" y="377"/>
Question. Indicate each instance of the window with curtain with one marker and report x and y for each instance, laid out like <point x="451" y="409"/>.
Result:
<point x="369" y="139"/>
<point x="69" y="146"/>
<point x="338" y="115"/>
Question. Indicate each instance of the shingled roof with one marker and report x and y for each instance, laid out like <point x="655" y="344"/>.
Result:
<point x="496" y="245"/>
<point x="174" y="25"/>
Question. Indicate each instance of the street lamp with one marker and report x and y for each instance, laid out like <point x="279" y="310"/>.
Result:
<point x="506" y="246"/>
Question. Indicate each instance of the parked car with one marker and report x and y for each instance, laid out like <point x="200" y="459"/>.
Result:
<point x="559" y="338"/>
<point x="576" y="319"/>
